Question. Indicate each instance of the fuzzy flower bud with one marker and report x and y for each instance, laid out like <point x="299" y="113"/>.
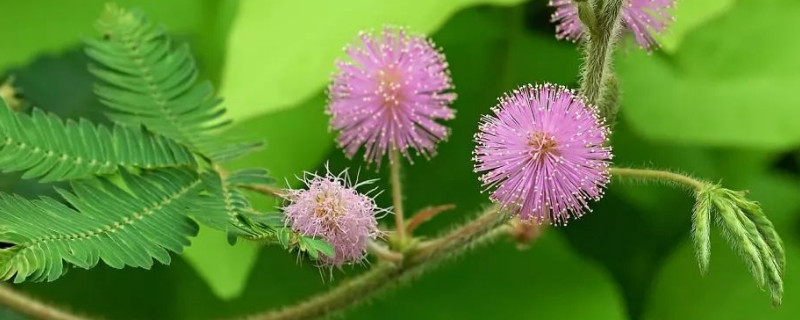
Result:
<point x="331" y="208"/>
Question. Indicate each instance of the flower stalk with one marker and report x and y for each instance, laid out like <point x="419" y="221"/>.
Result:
<point x="397" y="197"/>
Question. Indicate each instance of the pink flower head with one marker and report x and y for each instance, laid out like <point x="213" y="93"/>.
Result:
<point x="643" y="18"/>
<point x="543" y="152"/>
<point x="390" y="95"/>
<point x="332" y="209"/>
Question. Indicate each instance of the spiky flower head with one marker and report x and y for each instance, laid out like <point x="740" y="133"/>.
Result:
<point x="391" y="94"/>
<point x="543" y="152"/>
<point x="642" y="18"/>
<point x="331" y="208"/>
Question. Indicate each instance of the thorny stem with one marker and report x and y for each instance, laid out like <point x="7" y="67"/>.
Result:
<point x="599" y="44"/>
<point x="659" y="175"/>
<point x="485" y="228"/>
<point x="32" y="308"/>
<point x="397" y="196"/>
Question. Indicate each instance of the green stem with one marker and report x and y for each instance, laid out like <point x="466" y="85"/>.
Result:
<point x="485" y="228"/>
<point x="603" y="21"/>
<point x="659" y="175"/>
<point x="28" y="306"/>
<point x="397" y="196"/>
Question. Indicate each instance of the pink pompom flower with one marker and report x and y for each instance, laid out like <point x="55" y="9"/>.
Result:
<point x="390" y="95"/>
<point x="543" y="152"/>
<point x="331" y="208"/>
<point x="642" y="18"/>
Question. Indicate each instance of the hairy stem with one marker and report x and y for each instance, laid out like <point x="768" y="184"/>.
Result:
<point x="659" y="175"/>
<point x="397" y="196"/>
<point x="385" y="275"/>
<point x="28" y="306"/>
<point x="599" y="44"/>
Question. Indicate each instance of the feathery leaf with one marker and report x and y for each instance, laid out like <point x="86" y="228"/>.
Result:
<point x="123" y="226"/>
<point x="45" y="147"/>
<point x="146" y="80"/>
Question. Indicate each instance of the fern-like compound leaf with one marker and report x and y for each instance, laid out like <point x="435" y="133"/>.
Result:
<point x="45" y="147"/>
<point x="146" y="80"/>
<point x="124" y="226"/>
<point x="224" y="207"/>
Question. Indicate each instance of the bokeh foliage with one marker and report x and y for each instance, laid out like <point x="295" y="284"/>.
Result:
<point x="718" y="103"/>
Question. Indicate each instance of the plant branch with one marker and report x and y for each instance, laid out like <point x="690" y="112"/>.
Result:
<point x="30" y="307"/>
<point x="485" y="228"/>
<point x="604" y="22"/>
<point x="397" y="196"/>
<point x="659" y="175"/>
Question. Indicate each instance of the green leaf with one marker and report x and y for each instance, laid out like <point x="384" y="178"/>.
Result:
<point x="9" y="314"/>
<point x="223" y="267"/>
<point x="277" y="58"/>
<point x="30" y="29"/>
<point x="146" y="80"/>
<point x="297" y="140"/>
<point x="127" y="226"/>
<point x="46" y="147"/>
<point x="531" y="284"/>
<point x="680" y="292"/>
<point x="689" y="16"/>
<point x="721" y="89"/>
<point x="315" y="246"/>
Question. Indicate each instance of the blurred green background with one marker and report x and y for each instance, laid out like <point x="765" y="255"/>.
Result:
<point x="718" y="101"/>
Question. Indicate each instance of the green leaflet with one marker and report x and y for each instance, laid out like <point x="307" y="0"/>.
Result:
<point x="701" y="227"/>
<point x="748" y="231"/>
<point x="104" y="221"/>
<point x="223" y="207"/>
<point x="45" y="147"/>
<point x="147" y="81"/>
